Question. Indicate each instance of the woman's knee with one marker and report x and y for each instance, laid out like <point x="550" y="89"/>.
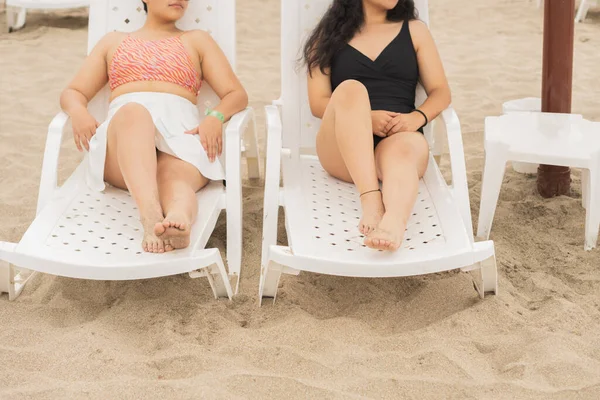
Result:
<point x="131" y="114"/>
<point x="403" y="148"/>
<point x="349" y="92"/>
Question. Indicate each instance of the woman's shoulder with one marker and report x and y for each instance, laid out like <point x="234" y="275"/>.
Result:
<point x="113" y="37"/>
<point x="419" y="32"/>
<point x="197" y="35"/>
<point x="418" y="27"/>
<point x="200" y="40"/>
<point x="109" y="41"/>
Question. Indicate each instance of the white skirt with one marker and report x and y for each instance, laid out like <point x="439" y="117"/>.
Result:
<point x="172" y="115"/>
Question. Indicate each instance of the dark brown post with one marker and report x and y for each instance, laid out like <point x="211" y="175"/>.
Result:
<point x="557" y="83"/>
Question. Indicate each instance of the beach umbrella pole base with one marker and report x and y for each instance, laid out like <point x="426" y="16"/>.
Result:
<point x="557" y="83"/>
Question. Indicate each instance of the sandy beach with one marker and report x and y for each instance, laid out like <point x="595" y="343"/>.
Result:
<point x="426" y="337"/>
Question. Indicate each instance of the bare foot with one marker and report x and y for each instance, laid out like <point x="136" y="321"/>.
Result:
<point x="151" y="243"/>
<point x="372" y="212"/>
<point x="177" y="229"/>
<point x="388" y="235"/>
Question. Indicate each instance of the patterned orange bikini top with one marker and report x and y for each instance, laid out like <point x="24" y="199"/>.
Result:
<point x="165" y="60"/>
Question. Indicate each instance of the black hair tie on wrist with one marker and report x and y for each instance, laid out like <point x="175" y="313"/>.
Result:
<point x="424" y="116"/>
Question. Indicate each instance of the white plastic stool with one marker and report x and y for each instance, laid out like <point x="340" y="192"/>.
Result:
<point x="545" y="138"/>
<point x="528" y="104"/>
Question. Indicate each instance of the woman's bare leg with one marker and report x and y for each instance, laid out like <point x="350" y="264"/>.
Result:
<point x="178" y="182"/>
<point x="345" y="147"/>
<point x="401" y="162"/>
<point x="131" y="164"/>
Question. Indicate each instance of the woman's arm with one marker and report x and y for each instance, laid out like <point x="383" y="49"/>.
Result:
<point x="433" y="78"/>
<point x="220" y="76"/>
<point x="319" y="91"/>
<point x="431" y="71"/>
<point x="217" y="72"/>
<point x="91" y="77"/>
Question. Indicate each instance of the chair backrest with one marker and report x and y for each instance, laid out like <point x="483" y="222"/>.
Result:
<point x="217" y="17"/>
<point x="298" y="18"/>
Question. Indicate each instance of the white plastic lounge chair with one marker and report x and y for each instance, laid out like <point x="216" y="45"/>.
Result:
<point x="83" y="234"/>
<point x="322" y="212"/>
<point x="16" y="10"/>
<point x="584" y="7"/>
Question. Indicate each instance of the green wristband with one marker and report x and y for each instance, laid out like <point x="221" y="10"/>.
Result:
<point x="217" y="114"/>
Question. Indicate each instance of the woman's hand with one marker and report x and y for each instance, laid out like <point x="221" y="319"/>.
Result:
<point x="84" y="127"/>
<point x="405" y="123"/>
<point x="211" y="136"/>
<point x="380" y="120"/>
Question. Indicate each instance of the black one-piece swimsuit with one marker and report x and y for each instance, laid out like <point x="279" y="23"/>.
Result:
<point x="391" y="79"/>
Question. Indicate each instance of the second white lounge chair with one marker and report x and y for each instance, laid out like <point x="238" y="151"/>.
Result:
<point x="322" y="213"/>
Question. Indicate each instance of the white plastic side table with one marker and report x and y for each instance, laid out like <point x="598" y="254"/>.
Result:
<point x="543" y="138"/>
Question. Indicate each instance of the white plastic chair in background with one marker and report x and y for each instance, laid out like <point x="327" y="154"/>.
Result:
<point x="16" y="10"/>
<point x="83" y="234"/>
<point x="584" y="7"/>
<point x="322" y="213"/>
<point x="543" y="138"/>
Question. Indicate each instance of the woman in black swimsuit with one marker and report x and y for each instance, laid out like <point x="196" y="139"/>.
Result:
<point x="364" y="59"/>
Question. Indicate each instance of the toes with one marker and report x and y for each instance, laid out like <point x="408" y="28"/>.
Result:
<point x="168" y="248"/>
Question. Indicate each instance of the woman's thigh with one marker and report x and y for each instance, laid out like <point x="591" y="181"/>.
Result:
<point x="120" y="123"/>
<point x="327" y="147"/>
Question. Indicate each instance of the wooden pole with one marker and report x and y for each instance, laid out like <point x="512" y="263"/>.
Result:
<point x="557" y="83"/>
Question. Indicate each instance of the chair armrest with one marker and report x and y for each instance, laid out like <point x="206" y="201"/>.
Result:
<point x="238" y="122"/>
<point x="272" y="177"/>
<point x="233" y="148"/>
<point x="460" y="188"/>
<point x="233" y="193"/>
<point x="49" y="178"/>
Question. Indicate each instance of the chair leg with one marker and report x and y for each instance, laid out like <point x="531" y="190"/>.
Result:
<point x="12" y="282"/>
<point x="252" y="156"/>
<point x="6" y="285"/>
<point x="493" y="174"/>
<point x="582" y="11"/>
<point x="219" y="280"/>
<point x="485" y="278"/>
<point x="585" y="188"/>
<point x="592" y="216"/>
<point x="269" y="281"/>
<point x="15" y="18"/>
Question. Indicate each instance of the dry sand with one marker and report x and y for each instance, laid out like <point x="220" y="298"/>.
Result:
<point x="327" y="337"/>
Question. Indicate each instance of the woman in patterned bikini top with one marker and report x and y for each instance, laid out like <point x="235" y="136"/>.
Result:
<point x="154" y="142"/>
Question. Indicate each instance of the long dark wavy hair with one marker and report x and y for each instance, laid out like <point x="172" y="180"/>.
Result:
<point x="339" y="25"/>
